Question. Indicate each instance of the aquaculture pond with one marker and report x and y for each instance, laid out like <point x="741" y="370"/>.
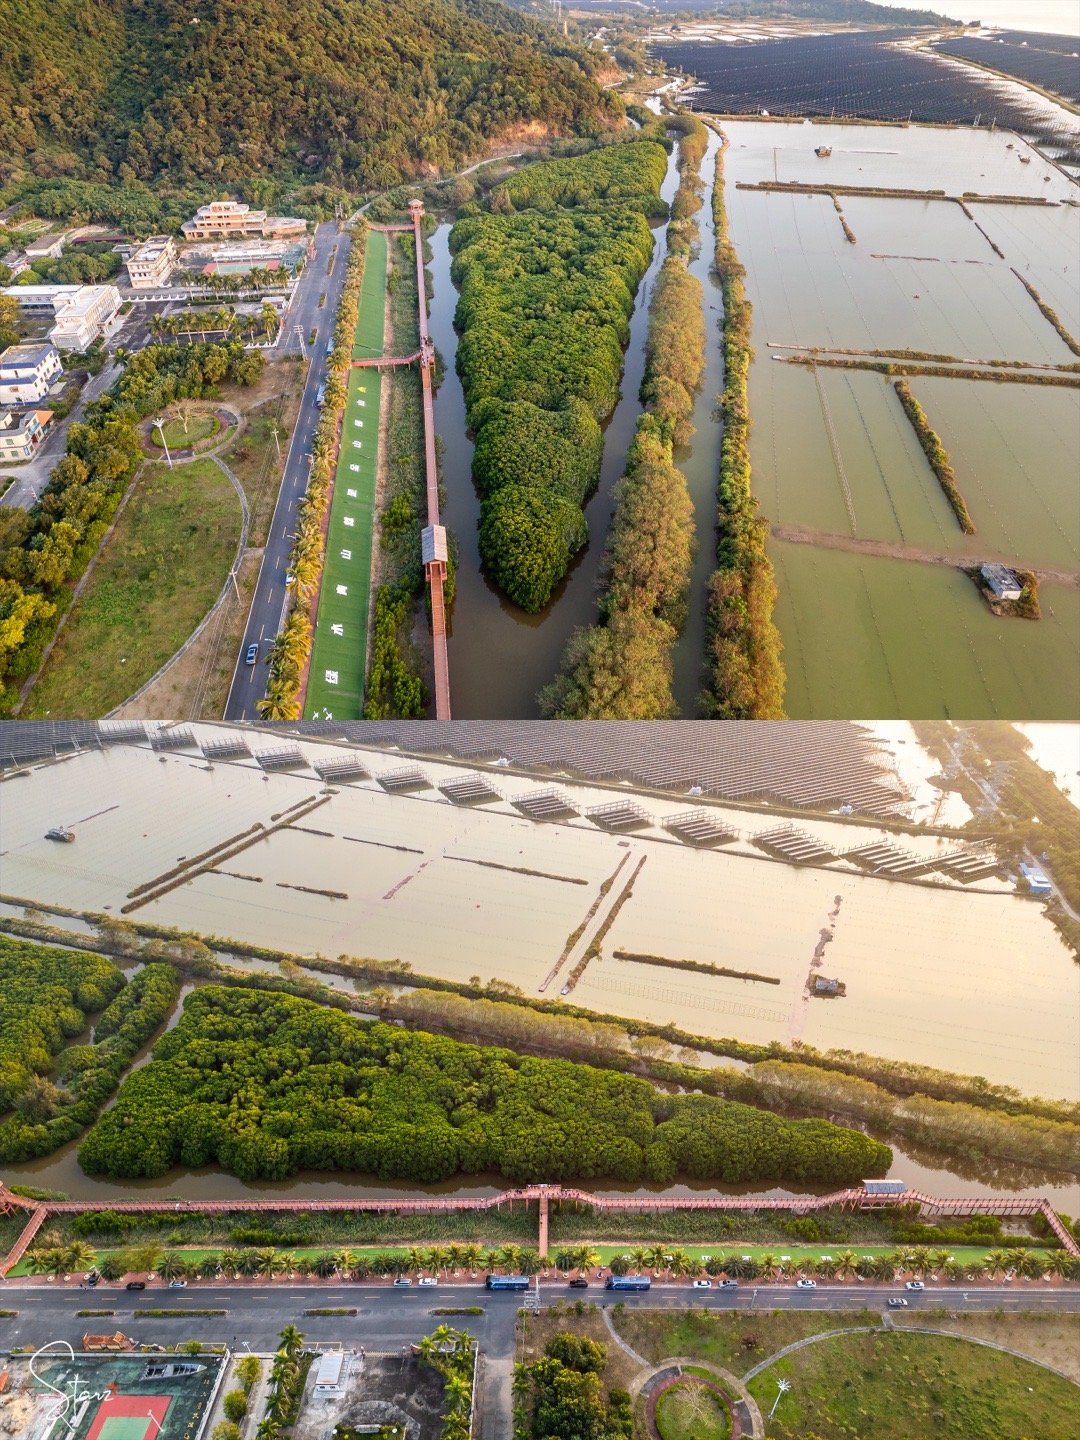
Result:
<point x="876" y="612"/>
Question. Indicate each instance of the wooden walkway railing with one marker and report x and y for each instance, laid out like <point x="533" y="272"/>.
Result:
<point x="854" y="1198"/>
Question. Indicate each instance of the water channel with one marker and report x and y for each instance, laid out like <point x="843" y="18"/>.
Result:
<point x="60" y="1172"/>
<point x="499" y="655"/>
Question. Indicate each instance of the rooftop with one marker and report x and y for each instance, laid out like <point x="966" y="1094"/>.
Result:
<point x="28" y="354"/>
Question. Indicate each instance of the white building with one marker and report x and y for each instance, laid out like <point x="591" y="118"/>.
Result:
<point x="328" y="1378"/>
<point x="83" y="317"/>
<point x="152" y="262"/>
<point x="27" y="372"/>
<point x="22" y="432"/>
<point x="83" y="312"/>
<point x="47" y="247"/>
<point x="1005" y="584"/>
<point x="222" y="219"/>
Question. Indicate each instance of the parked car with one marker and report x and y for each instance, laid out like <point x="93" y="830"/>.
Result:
<point x="579" y="1283"/>
<point x="135" y="1285"/>
<point x="728" y="1284"/>
<point x="897" y="1303"/>
<point x="805" y="1284"/>
<point x="702" y="1284"/>
<point x="403" y="1280"/>
<point x="914" y="1285"/>
<point x="251" y="654"/>
<point x="177" y="1284"/>
<point x="427" y="1280"/>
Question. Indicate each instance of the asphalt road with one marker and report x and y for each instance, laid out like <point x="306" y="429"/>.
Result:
<point x="268" y="606"/>
<point x="389" y="1318"/>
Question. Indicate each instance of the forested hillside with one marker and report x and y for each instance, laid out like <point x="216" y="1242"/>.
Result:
<point x="279" y="94"/>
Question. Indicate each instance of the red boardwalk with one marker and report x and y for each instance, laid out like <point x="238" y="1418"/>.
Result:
<point x="856" y="1198"/>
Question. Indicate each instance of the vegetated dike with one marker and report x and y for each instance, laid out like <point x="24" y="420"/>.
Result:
<point x="264" y="1084"/>
<point x="546" y="280"/>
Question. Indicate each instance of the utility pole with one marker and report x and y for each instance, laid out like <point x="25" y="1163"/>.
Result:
<point x="277" y="443"/>
<point x="159" y="426"/>
<point x="299" y="331"/>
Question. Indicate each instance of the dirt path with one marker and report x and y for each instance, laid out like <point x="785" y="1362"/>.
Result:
<point x="797" y="535"/>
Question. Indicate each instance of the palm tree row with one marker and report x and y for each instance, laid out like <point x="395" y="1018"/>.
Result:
<point x="236" y="282"/>
<point x="452" y="1353"/>
<point x="916" y="1262"/>
<point x="220" y="320"/>
<point x="266" y="1262"/>
<point x="292" y="649"/>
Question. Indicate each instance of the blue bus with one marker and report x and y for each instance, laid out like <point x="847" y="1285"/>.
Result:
<point x="508" y="1282"/>
<point x="629" y="1282"/>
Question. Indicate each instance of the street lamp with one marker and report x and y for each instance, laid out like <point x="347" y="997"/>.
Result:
<point x="159" y="426"/>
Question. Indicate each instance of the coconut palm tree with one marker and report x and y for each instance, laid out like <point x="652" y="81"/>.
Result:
<point x="247" y="1263"/>
<point x="530" y="1262"/>
<point x="345" y="1260"/>
<point x="565" y="1258"/>
<point x="272" y="1262"/>
<point x="111" y="1268"/>
<point x="639" y="1258"/>
<point x="458" y="1393"/>
<point x="267" y="1429"/>
<point x="769" y="1263"/>
<point x="324" y="1265"/>
<point x="453" y="1257"/>
<point x="438" y="1258"/>
<point x="416" y="1260"/>
<point x="510" y="1258"/>
<point x="44" y="1260"/>
<point x="473" y="1257"/>
<point x="362" y="1269"/>
<point x="292" y="1341"/>
<point x="1059" y="1264"/>
<point x="1031" y="1265"/>
<point x="810" y="1267"/>
<point x="938" y="1259"/>
<point x="586" y="1257"/>
<point x="209" y="1267"/>
<point x="996" y="1262"/>
<point x="230" y="1259"/>
<point x="682" y="1264"/>
<point x="172" y="1266"/>
<point x="656" y="1258"/>
<point x="846" y="1262"/>
<point x="78" y="1255"/>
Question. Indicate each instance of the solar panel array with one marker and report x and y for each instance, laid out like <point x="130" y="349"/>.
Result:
<point x="398" y="782"/>
<point x="340" y="772"/>
<point x="232" y="747"/>
<point x="699" y="827"/>
<point x="545" y="805"/>
<point x="173" y="738"/>
<point x="894" y="863"/>
<point x="821" y="764"/>
<point x="469" y="790"/>
<point x="121" y="732"/>
<point x="287" y="758"/>
<point x="619" y="815"/>
<point x="795" y="845"/>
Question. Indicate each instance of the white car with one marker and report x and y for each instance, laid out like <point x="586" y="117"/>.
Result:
<point x="427" y="1280"/>
<point x="702" y="1284"/>
<point x="914" y="1285"/>
<point x="805" y="1284"/>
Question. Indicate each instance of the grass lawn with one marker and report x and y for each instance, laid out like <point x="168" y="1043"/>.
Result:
<point x="159" y="573"/>
<point x="734" y="1340"/>
<point x="794" y="1255"/>
<point x="253" y="456"/>
<point x="906" y="1387"/>
<point x="199" y="427"/>
<point x="690" y="1412"/>
<point x="339" y="650"/>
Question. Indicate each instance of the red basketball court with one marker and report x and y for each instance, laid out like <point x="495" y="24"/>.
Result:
<point x="129" y="1417"/>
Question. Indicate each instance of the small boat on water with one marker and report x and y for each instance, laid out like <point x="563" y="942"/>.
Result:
<point x="61" y="833"/>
